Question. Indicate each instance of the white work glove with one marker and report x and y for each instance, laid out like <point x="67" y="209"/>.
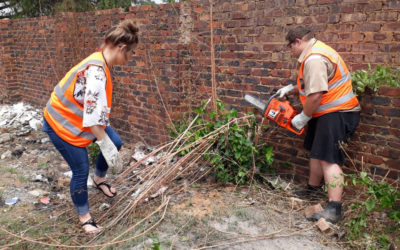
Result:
<point x="300" y="120"/>
<point x="109" y="151"/>
<point x="283" y="91"/>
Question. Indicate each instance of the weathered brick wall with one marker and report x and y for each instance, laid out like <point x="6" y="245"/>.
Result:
<point x="171" y="71"/>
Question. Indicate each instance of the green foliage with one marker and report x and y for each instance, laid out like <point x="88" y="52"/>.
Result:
<point x="73" y="6"/>
<point x="380" y="196"/>
<point x="156" y="243"/>
<point x="232" y="153"/>
<point x="29" y="8"/>
<point x="111" y="4"/>
<point x="93" y="151"/>
<point x="363" y="79"/>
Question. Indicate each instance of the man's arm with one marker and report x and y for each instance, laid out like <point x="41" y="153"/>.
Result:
<point x="312" y="102"/>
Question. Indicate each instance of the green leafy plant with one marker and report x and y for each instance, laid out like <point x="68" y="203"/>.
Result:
<point x="377" y="196"/>
<point x="234" y="152"/>
<point x="373" y="79"/>
<point x="93" y="151"/>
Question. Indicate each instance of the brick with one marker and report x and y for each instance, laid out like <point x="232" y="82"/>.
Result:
<point x="310" y="210"/>
<point x="393" y="164"/>
<point x="396" y="102"/>
<point x="365" y="47"/>
<point x="370" y="6"/>
<point x="396" y="37"/>
<point x="323" y="225"/>
<point x="395" y="123"/>
<point x="383" y="16"/>
<point x="385" y="101"/>
<point x="393" y="4"/>
<point x="363" y="27"/>
<point x="356" y="17"/>
<point x="373" y="159"/>
<point x="378" y="171"/>
<point x="389" y="112"/>
<point x="380" y="37"/>
<point x="391" y="26"/>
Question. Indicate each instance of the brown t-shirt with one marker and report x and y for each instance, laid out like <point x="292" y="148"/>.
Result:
<point x="317" y="72"/>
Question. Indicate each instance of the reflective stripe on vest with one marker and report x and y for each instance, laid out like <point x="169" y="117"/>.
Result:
<point x="67" y="125"/>
<point x="336" y="102"/>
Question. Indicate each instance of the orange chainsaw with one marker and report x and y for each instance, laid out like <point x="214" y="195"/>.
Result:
<point x="280" y="112"/>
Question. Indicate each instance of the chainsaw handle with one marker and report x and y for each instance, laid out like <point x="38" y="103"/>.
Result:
<point x="297" y="132"/>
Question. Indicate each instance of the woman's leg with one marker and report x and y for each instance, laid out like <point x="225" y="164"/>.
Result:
<point x="77" y="159"/>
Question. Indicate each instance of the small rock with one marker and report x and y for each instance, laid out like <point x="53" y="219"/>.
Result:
<point x="7" y="154"/>
<point x="68" y="174"/>
<point x="61" y="196"/>
<point x="44" y="140"/>
<point x="40" y="178"/>
<point x="139" y="155"/>
<point x="104" y="207"/>
<point x="23" y="132"/>
<point x="35" y="124"/>
<point x="5" y="138"/>
<point x="37" y="192"/>
<point x="89" y="181"/>
<point x="310" y="210"/>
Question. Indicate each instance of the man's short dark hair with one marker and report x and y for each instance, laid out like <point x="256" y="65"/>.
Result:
<point x="299" y="32"/>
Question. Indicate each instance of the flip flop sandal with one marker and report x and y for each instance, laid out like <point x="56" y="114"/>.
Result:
<point x="97" y="186"/>
<point x="92" y="223"/>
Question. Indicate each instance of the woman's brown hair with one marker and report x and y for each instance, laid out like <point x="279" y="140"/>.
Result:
<point x="126" y="32"/>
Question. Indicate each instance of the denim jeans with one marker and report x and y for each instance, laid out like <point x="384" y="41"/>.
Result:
<point x="78" y="160"/>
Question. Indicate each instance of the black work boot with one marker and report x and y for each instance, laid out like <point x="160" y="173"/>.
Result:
<point x="310" y="192"/>
<point x="332" y="212"/>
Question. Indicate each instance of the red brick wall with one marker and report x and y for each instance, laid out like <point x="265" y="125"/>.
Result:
<point x="171" y="71"/>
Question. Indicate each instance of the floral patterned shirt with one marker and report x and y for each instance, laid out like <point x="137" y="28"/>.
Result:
<point x="90" y="92"/>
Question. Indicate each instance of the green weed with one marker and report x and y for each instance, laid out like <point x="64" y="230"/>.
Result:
<point x="373" y="79"/>
<point x="234" y="152"/>
<point x="379" y="196"/>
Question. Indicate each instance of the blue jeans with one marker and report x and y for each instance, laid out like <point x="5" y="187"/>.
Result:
<point x="78" y="160"/>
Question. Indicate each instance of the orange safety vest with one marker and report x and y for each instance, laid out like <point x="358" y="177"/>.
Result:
<point x="64" y="114"/>
<point x="340" y="94"/>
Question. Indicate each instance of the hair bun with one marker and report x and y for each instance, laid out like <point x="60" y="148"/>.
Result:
<point x="126" y="32"/>
<point x="128" y="25"/>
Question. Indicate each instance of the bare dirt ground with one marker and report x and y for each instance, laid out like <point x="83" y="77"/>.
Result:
<point x="204" y="215"/>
